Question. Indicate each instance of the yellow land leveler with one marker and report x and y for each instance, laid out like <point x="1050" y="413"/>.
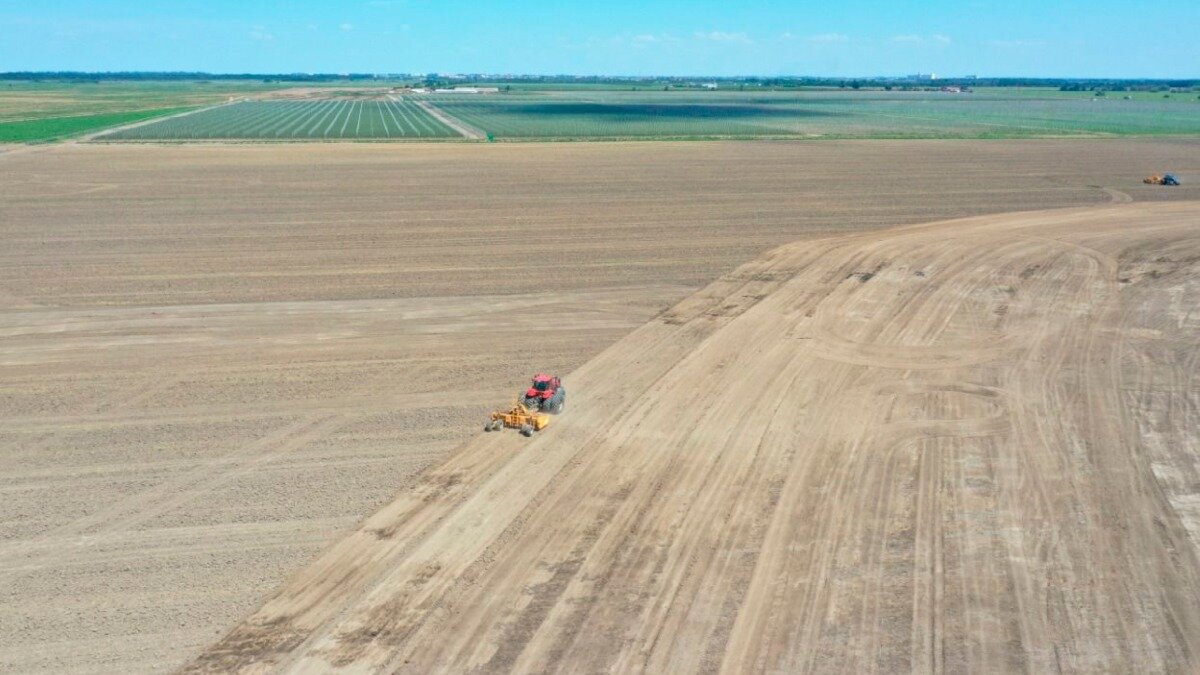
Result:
<point x="518" y="417"/>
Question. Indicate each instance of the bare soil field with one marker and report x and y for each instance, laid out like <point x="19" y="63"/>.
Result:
<point x="215" y="361"/>
<point x="969" y="446"/>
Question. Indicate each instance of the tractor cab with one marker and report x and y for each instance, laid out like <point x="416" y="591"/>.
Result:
<point x="546" y="393"/>
<point x="542" y="386"/>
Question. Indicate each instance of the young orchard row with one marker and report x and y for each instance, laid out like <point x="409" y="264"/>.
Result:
<point x="326" y="119"/>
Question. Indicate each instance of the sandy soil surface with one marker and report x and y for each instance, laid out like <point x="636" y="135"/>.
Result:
<point x="965" y="446"/>
<point x="216" y="360"/>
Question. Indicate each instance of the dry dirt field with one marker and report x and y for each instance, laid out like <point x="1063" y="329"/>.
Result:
<point x="969" y="446"/>
<point x="215" y="361"/>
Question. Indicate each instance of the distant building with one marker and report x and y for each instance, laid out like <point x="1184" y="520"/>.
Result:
<point x="709" y="85"/>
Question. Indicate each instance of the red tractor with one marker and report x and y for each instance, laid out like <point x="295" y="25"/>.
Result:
<point x="546" y="393"/>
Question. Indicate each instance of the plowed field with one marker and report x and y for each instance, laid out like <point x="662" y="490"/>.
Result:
<point x="215" y="361"/>
<point x="969" y="446"/>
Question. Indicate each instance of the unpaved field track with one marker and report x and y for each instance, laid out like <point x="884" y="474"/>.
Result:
<point x="454" y="123"/>
<point x="215" y="361"/>
<point x="964" y="446"/>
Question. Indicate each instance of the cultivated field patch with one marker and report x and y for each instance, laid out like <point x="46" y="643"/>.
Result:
<point x="54" y="128"/>
<point x="599" y="115"/>
<point x="297" y="120"/>
<point x="822" y="114"/>
<point x="24" y="100"/>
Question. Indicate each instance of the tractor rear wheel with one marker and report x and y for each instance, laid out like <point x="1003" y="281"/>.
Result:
<point x="556" y="402"/>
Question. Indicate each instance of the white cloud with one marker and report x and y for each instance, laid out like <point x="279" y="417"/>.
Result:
<point x="347" y="27"/>
<point x="651" y="38"/>
<point x="259" y="33"/>
<point x="827" y="38"/>
<point x="720" y="36"/>
<point x="935" y="39"/>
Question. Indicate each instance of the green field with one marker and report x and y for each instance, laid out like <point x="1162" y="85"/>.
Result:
<point x="24" y="101"/>
<point x="40" y="111"/>
<point x="55" y="128"/>
<point x="829" y="114"/>
<point x="46" y="110"/>
<point x="297" y="120"/>
<point x="32" y="111"/>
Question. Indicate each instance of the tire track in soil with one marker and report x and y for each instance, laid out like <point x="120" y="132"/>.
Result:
<point x="925" y="465"/>
<point x="143" y="506"/>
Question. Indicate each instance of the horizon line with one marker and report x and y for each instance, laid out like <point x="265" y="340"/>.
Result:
<point x="931" y="76"/>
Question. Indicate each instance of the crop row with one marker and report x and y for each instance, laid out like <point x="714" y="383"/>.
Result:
<point x="587" y="119"/>
<point x="882" y="114"/>
<point x="262" y="120"/>
<point x="665" y="115"/>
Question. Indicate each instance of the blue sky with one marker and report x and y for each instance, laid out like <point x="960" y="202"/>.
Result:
<point x="1100" y="38"/>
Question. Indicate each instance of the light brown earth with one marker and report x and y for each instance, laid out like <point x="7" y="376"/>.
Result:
<point x="215" y="361"/>
<point x="970" y="446"/>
